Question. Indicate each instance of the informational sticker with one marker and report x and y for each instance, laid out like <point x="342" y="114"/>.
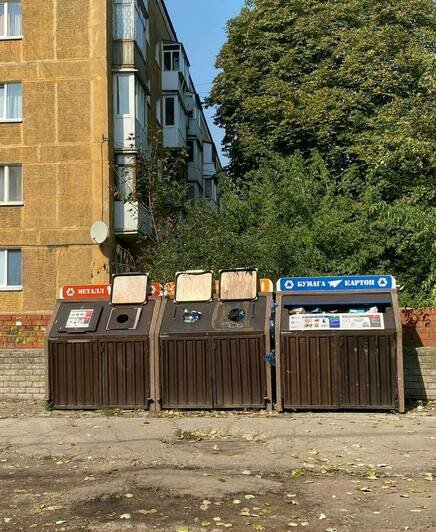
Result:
<point x="362" y="321"/>
<point x="79" y="319"/>
<point x="302" y="322"/>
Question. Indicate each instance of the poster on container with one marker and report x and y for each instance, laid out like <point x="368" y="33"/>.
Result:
<point x="348" y="322"/>
<point x="79" y="319"/>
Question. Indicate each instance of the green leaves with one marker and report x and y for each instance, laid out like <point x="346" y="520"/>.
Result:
<point x="291" y="217"/>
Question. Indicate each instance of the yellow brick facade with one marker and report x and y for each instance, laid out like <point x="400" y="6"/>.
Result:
<point x="64" y="64"/>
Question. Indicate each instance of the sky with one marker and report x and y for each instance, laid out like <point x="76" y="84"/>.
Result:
<point x="201" y="27"/>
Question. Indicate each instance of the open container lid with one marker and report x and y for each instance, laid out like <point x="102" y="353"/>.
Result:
<point x="129" y="289"/>
<point x="238" y="285"/>
<point x="195" y="286"/>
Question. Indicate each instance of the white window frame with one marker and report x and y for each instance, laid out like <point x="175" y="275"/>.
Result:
<point x="5" y="36"/>
<point x="6" y="200"/>
<point x="177" y="50"/>
<point x="125" y="175"/>
<point x="3" y="117"/>
<point x="131" y="79"/>
<point x="4" y="287"/>
<point x="159" y="111"/>
<point x="174" y="114"/>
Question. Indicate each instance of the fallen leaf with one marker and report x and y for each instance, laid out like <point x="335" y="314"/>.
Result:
<point x="148" y="512"/>
<point x="236" y="501"/>
<point x="125" y="516"/>
<point x="249" y="496"/>
<point x="60" y="522"/>
<point x="245" y="511"/>
<point x="292" y="524"/>
<point x="128" y="496"/>
<point x="322" y="516"/>
<point x="217" y="519"/>
<point x="246" y="472"/>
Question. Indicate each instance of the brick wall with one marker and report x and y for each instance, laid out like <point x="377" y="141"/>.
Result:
<point x="22" y="367"/>
<point x="419" y="342"/>
<point x="23" y="331"/>
<point x="419" y="327"/>
<point x="22" y="374"/>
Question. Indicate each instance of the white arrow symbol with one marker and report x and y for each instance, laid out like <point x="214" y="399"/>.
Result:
<point x="383" y="282"/>
<point x="289" y="285"/>
<point x="335" y="284"/>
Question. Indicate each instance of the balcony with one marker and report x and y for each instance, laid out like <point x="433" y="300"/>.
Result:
<point x="131" y="220"/>
<point x="194" y="128"/>
<point x="173" y="81"/>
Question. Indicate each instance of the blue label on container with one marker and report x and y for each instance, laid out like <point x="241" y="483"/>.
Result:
<point x="331" y="284"/>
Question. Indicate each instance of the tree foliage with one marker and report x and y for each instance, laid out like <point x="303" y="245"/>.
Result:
<point x="329" y="113"/>
<point x="290" y="217"/>
<point x="353" y="79"/>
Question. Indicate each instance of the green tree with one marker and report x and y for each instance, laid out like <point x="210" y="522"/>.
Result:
<point x="353" y="79"/>
<point x="291" y="217"/>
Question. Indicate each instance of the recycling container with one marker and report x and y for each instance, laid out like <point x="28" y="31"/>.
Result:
<point x="212" y="346"/>
<point x="338" y="344"/>
<point x="101" y="353"/>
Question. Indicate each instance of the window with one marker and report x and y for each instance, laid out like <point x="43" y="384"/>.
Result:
<point x="11" y="184"/>
<point x="141" y="26"/>
<point x="10" y="268"/>
<point x="141" y="104"/>
<point x="123" y="100"/>
<point x="159" y="111"/>
<point x="191" y="152"/>
<point x="10" y="19"/>
<point x="208" y="188"/>
<point x="172" y="57"/>
<point x="130" y="21"/>
<point x="124" y="176"/>
<point x="123" y="19"/>
<point x="157" y="53"/>
<point x="11" y="101"/>
<point x="170" y="114"/>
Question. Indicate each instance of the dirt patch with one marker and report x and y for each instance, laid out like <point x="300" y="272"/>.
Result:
<point x="134" y="471"/>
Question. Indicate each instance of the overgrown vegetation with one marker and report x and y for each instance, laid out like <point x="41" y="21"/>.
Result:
<point x="329" y="113"/>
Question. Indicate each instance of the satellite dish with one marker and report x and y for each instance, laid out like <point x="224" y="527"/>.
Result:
<point x="99" y="232"/>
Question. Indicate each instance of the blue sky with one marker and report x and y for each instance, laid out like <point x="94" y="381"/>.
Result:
<point x="200" y="25"/>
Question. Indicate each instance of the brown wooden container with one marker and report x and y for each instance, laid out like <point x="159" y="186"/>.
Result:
<point x="214" y="363"/>
<point x="107" y="363"/>
<point x="339" y="369"/>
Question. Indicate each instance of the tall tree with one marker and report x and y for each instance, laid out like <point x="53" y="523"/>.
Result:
<point x="352" y="78"/>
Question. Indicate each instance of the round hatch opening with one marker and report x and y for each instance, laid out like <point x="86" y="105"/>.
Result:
<point x="236" y="315"/>
<point x="123" y="318"/>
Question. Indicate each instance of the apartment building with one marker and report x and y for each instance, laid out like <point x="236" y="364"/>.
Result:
<point x="81" y="84"/>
